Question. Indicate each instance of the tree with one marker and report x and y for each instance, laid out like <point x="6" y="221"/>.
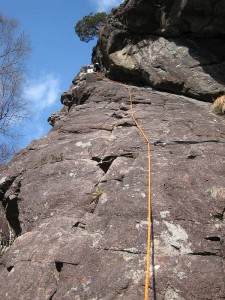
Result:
<point x="14" y="49"/>
<point x="89" y="26"/>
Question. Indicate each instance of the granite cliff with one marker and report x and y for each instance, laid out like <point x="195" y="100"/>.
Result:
<point x="74" y="203"/>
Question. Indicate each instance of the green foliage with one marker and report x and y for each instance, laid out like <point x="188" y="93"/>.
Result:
<point x="88" y="27"/>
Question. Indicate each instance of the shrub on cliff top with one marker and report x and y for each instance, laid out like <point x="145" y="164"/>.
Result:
<point x="88" y="27"/>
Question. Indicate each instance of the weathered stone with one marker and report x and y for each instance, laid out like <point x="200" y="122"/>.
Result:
<point x="55" y="117"/>
<point x="73" y="205"/>
<point x="176" y="46"/>
<point x="81" y="193"/>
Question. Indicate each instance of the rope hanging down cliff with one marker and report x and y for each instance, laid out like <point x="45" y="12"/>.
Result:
<point x="149" y="233"/>
<point x="148" y="257"/>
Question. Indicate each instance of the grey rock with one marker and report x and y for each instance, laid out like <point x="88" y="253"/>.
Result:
<point x="73" y="205"/>
<point x="81" y="193"/>
<point x="55" y="117"/>
<point x="176" y="46"/>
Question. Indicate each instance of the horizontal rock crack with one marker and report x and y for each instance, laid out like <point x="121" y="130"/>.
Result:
<point x="183" y="142"/>
<point x="204" y="253"/>
<point x="130" y="251"/>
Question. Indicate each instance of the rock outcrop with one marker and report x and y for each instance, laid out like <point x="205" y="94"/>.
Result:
<point x="175" y="46"/>
<point x="74" y="203"/>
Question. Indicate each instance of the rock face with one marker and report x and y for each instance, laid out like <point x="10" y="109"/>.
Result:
<point x="78" y="201"/>
<point x="175" y="46"/>
<point x="73" y="205"/>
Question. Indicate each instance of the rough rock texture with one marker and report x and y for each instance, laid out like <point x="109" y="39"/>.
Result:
<point x="73" y="205"/>
<point x="77" y="200"/>
<point x="176" y="46"/>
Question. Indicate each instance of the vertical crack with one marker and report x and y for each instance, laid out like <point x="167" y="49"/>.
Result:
<point x="53" y="294"/>
<point x="12" y="216"/>
<point x="9" y="211"/>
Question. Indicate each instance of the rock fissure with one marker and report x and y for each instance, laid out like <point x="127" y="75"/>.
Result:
<point x="104" y="163"/>
<point x="10" y="227"/>
<point x="59" y="266"/>
<point x="10" y="268"/>
<point x="204" y="253"/>
<point x="220" y="215"/>
<point x="135" y="252"/>
<point x="187" y="142"/>
<point x="102" y="128"/>
<point x="69" y="131"/>
<point x="79" y="224"/>
<point x="213" y="238"/>
<point x="52" y="295"/>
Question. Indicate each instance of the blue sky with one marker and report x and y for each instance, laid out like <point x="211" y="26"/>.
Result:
<point x="57" y="53"/>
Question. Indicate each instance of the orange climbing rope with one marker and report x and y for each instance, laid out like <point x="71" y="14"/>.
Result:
<point x="148" y="257"/>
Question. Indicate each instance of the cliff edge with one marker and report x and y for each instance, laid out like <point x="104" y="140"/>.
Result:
<point x="176" y="46"/>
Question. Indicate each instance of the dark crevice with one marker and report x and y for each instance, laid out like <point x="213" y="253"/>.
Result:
<point x="10" y="211"/>
<point x="12" y="215"/>
<point x="127" y="124"/>
<point x="105" y="163"/>
<point x="95" y="158"/>
<point x="123" y="250"/>
<point x="183" y="142"/>
<point x="99" y="128"/>
<point x="68" y="131"/>
<point x="9" y="269"/>
<point x="141" y="102"/>
<point x="219" y="215"/>
<point x="205" y="253"/>
<point x="79" y="224"/>
<point x="213" y="238"/>
<point x="72" y="264"/>
<point x="58" y="266"/>
<point x="133" y="155"/>
<point x="176" y="247"/>
<point x="53" y="294"/>
<point x="191" y="156"/>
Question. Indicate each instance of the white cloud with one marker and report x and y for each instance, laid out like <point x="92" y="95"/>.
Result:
<point x="43" y="92"/>
<point x="106" y="5"/>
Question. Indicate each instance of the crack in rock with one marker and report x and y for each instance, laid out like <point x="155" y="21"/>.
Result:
<point x="105" y="163"/>
<point x="79" y="224"/>
<point x="130" y="251"/>
<point x="9" y="224"/>
<point x="204" y="253"/>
